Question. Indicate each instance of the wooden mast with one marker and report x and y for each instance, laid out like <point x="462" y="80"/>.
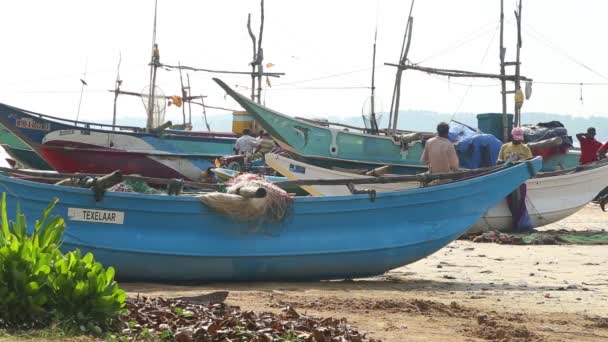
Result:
<point x="253" y="62"/>
<point x="373" y="122"/>
<point x="153" y="66"/>
<point x="405" y="47"/>
<point x="189" y="102"/>
<point x="503" y="82"/>
<point x="184" y="95"/>
<point x="517" y="65"/>
<point x="260" y="56"/>
<point x="116" y="92"/>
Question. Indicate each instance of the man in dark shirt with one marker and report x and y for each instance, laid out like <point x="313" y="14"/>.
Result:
<point x="589" y="146"/>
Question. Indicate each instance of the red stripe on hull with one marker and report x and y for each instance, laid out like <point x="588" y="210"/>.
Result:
<point x="71" y="160"/>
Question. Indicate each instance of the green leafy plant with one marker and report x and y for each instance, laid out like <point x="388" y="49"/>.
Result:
<point x="39" y="284"/>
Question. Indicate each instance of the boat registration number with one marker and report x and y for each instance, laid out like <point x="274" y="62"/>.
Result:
<point x="31" y="124"/>
<point x="99" y="216"/>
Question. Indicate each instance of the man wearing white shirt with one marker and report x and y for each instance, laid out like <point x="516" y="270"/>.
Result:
<point x="246" y="144"/>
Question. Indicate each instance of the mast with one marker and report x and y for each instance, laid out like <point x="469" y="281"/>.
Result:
<point x="205" y="113"/>
<point x="189" y="102"/>
<point x="517" y="71"/>
<point x="373" y="122"/>
<point x="260" y="56"/>
<point x="503" y="82"/>
<point x="181" y="82"/>
<point x="153" y="66"/>
<point x="254" y="61"/>
<point x="116" y="92"/>
<point x="405" y="47"/>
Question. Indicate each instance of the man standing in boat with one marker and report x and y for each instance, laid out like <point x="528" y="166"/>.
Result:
<point x="589" y="146"/>
<point x="439" y="153"/>
<point x="265" y="143"/>
<point x="517" y="150"/>
<point x="246" y="144"/>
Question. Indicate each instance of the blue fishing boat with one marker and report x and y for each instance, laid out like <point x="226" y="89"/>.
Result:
<point x="172" y="239"/>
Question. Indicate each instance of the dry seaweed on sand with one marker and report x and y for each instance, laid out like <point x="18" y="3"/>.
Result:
<point x="190" y="321"/>
<point x="535" y="237"/>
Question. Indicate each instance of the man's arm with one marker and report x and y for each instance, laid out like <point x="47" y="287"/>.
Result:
<point x="501" y="155"/>
<point x="425" y="155"/>
<point x="454" y="162"/>
<point x="528" y="153"/>
<point x="581" y="137"/>
<point x="601" y="152"/>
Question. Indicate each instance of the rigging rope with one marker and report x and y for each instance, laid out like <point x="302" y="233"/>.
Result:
<point x="471" y="83"/>
<point x="547" y="42"/>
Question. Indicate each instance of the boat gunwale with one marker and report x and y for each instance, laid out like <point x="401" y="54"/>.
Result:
<point x="318" y="199"/>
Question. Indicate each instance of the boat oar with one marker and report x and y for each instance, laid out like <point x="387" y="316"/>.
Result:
<point x="421" y="177"/>
<point x="379" y="171"/>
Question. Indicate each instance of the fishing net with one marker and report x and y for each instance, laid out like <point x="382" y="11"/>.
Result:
<point x="270" y="209"/>
<point x="137" y="186"/>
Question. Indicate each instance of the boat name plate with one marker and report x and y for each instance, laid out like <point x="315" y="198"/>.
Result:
<point x="99" y="216"/>
<point x="66" y="132"/>
<point x="31" y="124"/>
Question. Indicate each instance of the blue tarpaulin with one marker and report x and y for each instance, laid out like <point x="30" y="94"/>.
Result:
<point x="474" y="149"/>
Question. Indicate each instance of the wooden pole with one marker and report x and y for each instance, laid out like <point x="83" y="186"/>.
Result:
<point x="455" y="72"/>
<point x="405" y="47"/>
<point x="183" y="67"/>
<point x="260" y="54"/>
<point x="503" y="82"/>
<point x="116" y="92"/>
<point x="253" y="62"/>
<point x="189" y="102"/>
<point x="181" y="81"/>
<point x="517" y="64"/>
<point x="205" y="113"/>
<point x="373" y="122"/>
<point x="424" y="177"/>
<point x="153" y="67"/>
<point x="54" y="175"/>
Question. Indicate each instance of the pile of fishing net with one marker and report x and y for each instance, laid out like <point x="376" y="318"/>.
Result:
<point x="270" y="205"/>
<point x="137" y="186"/>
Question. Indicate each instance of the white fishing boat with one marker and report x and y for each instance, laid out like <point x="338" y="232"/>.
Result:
<point x="550" y="197"/>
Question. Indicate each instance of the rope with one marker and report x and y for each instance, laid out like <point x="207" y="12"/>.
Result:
<point x="545" y="41"/>
<point x="471" y="83"/>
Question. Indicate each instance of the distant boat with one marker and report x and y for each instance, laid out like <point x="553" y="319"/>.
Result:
<point x="67" y="141"/>
<point x="172" y="239"/>
<point x="20" y="151"/>
<point x="551" y="196"/>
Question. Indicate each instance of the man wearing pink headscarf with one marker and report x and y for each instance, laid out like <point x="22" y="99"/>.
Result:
<point x="517" y="150"/>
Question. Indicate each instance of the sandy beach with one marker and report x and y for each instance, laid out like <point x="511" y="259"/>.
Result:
<point x="465" y="292"/>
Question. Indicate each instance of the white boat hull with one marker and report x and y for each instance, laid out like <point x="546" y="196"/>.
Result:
<point x="548" y="200"/>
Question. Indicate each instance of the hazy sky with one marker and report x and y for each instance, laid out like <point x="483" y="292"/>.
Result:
<point x="47" y="44"/>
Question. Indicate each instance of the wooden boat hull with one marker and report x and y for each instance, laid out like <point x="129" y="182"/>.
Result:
<point x="20" y="151"/>
<point x="173" y="239"/>
<point x="86" y="159"/>
<point x="549" y="199"/>
<point x="317" y="142"/>
<point x="27" y="157"/>
<point x="34" y="129"/>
